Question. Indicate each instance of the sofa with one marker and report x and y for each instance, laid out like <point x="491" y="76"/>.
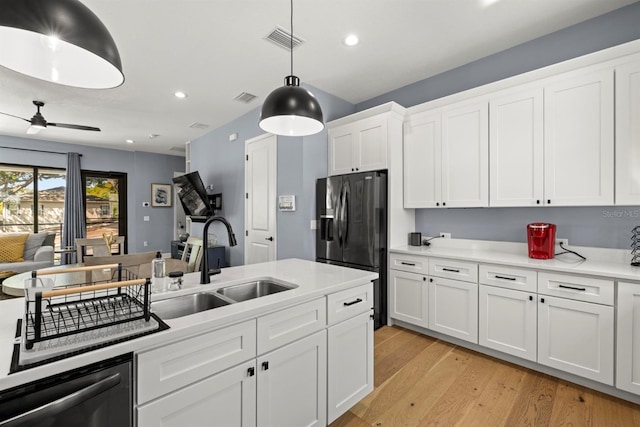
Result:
<point x="37" y="251"/>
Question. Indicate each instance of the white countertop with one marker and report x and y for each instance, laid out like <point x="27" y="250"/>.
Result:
<point x="609" y="263"/>
<point x="313" y="279"/>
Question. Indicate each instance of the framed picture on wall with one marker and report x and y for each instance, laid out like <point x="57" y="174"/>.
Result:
<point x="161" y="195"/>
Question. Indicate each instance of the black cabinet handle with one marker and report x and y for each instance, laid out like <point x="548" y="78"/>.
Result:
<point x="505" y="278"/>
<point x="408" y="263"/>
<point x="453" y="270"/>
<point x="269" y="238"/>
<point x="424" y="279"/>
<point x="347" y="304"/>
<point x="530" y="298"/>
<point x="431" y="280"/>
<point x="251" y="371"/>
<point x="265" y="365"/>
<point x="542" y="300"/>
<point x="548" y="201"/>
<point x="444" y="204"/>
<point x="437" y="204"/>
<point x="572" y="288"/>
<point x="537" y="202"/>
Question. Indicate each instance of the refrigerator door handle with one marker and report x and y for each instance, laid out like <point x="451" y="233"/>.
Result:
<point x="339" y="216"/>
<point x="345" y="214"/>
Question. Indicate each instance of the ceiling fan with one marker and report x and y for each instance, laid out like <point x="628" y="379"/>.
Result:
<point x="38" y="122"/>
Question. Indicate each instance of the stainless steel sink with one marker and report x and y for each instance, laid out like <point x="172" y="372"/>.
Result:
<point x="255" y="289"/>
<point x="187" y="304"/>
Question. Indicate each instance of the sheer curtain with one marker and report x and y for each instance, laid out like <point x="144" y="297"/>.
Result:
<point x="74" y="225"/>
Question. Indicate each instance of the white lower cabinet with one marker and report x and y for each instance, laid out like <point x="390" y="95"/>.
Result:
<point x="226" y="399"/>
<point x="453" y="308"/>
<point x="409" y="297"/>
<point x="576" y="337"/>
<point x="350" y="364"/>
<point x="628" y="350"/>
<point x="507" y="321"/>
<point x="292" y="388"/>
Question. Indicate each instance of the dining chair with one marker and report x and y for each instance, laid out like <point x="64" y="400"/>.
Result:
<point x="192" y="254"/>
<point x="98" y="247"/>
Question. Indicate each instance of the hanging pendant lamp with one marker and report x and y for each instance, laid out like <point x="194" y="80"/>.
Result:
<point x="60" y="41"/>
<point x="291" y="110"/>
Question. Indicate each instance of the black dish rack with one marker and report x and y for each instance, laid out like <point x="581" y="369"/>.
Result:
<point x="53" y="313"/>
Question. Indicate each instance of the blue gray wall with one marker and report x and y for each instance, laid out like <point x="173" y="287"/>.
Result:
<point x="608" y="226"/>
<point x="142" y="169"/>
<point x="301" y="160"/>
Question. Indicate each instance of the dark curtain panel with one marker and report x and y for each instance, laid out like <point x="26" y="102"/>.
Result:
<point x="74" y="224"/>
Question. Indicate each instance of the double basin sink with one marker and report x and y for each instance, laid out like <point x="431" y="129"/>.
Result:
<point x="202" y="301"/>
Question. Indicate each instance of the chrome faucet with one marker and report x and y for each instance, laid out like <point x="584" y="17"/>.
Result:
<point x="205" y="273"/>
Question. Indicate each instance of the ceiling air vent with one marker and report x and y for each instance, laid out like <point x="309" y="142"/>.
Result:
<point x="196" y="125"/>
<point x="282" y="38"/>
<point x="180" y="149"/>
<point x="245" y="97"/>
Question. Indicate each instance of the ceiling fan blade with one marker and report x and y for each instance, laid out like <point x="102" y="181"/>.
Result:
<point x="17" y="117"/>
<point x="77" y="127"/>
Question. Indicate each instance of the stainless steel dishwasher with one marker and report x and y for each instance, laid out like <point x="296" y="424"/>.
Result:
<point x="97" y="395"/>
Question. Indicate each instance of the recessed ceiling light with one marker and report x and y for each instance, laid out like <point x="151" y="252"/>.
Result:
<point x="180" y="95"/>
<point x="129" y="141"/>
<point x="350" y="40"/>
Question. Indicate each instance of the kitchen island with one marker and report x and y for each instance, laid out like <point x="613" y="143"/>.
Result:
<point x="328" y="307"/>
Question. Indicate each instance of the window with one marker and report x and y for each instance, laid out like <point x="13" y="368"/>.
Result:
<point x="24" y="187"/>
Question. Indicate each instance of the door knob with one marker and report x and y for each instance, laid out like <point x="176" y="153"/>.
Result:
<point x="269" y="239"/>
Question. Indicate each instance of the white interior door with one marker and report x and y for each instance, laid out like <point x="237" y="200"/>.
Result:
<point x="260" y="199"/>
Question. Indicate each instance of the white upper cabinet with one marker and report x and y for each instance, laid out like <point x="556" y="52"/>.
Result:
<point x="516" y="148"/>
<point x="465" y="155"/>
<point x="578" y="147"/>
<point x="358" y="147"/>
<point x="422" y="174"/>
<point x="628" y="134"/>
<point x="446" y="157"/>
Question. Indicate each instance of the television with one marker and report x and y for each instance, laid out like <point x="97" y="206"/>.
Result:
<point x="193" y="196"/>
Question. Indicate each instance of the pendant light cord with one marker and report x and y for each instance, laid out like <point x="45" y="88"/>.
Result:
<point x="292" y="37"/>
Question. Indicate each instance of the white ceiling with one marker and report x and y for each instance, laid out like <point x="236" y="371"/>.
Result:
<point x="214" y="50"/>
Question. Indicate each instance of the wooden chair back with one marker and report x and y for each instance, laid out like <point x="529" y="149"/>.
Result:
<point x="98" y="247"/>
<point x="192" y="254"/>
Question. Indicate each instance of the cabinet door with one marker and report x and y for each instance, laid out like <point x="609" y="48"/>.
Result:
<point x="371" y="153"/>
<point x="578" y="145"/>
<point x="576" y="337"/>
<point x="453" y="308"/>
<point x="409" y="297"/>
<point x="628" y="350"/>
<point x="422" y="161"/>
<point x="292" y="384"/>
<point x="350" y="364"/>
<point x="465" y="155"/>
<point x="507" y="321"/>
<point x="627" y="134"/>
<point x="342" y="146"/>
<point x="225" y="399"/>
<point x="516" y="149"/>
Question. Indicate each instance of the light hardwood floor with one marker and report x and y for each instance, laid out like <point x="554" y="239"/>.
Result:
<point x="421" y="381"/>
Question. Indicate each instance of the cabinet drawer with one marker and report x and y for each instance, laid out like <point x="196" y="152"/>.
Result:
<point x="411" y="263"/>
<point x="575" y="287"/>
<point x="508" y="277"/>
<point x="452" y="269"/>
<point x="176" y="365"/>
<point x="282" y="327"/>
<point x="348" y="303"/>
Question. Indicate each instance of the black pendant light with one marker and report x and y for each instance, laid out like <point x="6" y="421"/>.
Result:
<point x="60" y="41"/>
<point x="291" y="110"/>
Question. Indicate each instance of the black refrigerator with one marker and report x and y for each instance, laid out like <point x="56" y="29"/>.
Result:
<point x="352" y="228"/>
